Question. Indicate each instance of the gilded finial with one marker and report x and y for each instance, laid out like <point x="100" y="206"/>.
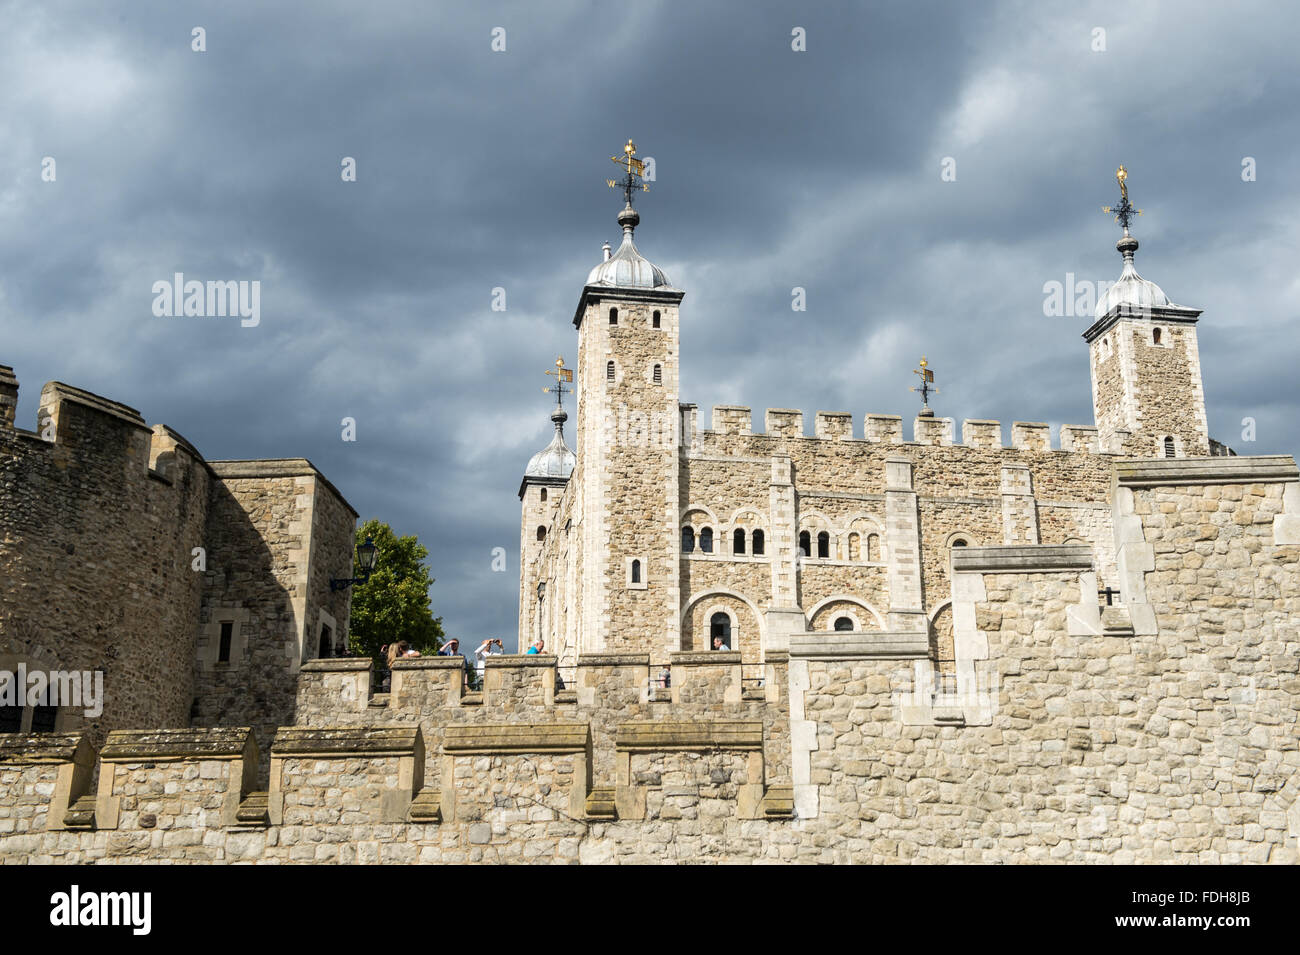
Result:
<point x="925" y="388"/>
<point x="1124" y="212"/>
<point x="634" y="170"/>
<point x="561" y="375"/>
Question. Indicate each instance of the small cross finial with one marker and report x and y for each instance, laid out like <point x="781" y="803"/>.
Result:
<point x="925" y="388"/>
<point x="561" y="375"/>
<point x="634" y="167"/>
<point x="1124" y="212"/>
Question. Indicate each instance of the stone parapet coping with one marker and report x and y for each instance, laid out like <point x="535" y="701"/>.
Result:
<point x="696" y="657"/>
<point x="520" y="660"/>
<point x="28" y="749"/>
<point x="857" y="646"/>
<point x="428" y="663"/>
<point x="133" y="746"/>
<point x="517" y="738"/>
<point x="614" y="660"/>
<point x="345" y="741"/>
<point x="337" y="665"/>
<point x="1154" y="472"/>
<point x="661" y="735"/>
<point x="1023" y="559"/>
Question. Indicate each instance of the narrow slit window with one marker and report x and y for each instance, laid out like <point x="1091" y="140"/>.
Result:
<point x="636" y="571"/>
<point x="1169" y="447"/>
<point x="758" y="543"/>
<point x="659" y="374"/>
<point x="738" y="541"/>
<point x="613" y="316"/>
<point x="823" y="544"/>
<point x="688" y="540"/>
<point x="655" y="319"/>
<point x="227" y="634"/>
<point x="805" y="544"/>
<point x="609" y="371"/>
<point x="706" y="540"/>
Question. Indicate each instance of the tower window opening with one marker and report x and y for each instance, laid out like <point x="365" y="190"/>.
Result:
<point x="1169" y="447"/>
<point x="1155" y="336"/>
<point x="706" y="540"/>
<point x="223" y="648"/>
<point x="541" y="533"/>
<point x="325" y="645"/>
<point x="758" y="544"/>
<point x="823" y="544"/>
<point x="738" y="541"/>
<point x="805" y="544"/>
<point x="655" y="319"/>
<point x="609" y="371"/>
<point x="720" y="626"/>
<point x="613" y="316"/>
<point x="843" y="624"/>
<point x="659" y="374"/>
<point x="688" y="540"/>
<point x="636" y="571"/>
<point x="543" y="494"/>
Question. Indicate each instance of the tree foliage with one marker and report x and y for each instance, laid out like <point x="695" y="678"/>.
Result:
<point x="394" y="603"/>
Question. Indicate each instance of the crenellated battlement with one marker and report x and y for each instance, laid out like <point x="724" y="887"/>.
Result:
<point x="788" y="424"/>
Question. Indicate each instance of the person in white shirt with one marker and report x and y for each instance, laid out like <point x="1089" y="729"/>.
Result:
<point x="484" y="651"/>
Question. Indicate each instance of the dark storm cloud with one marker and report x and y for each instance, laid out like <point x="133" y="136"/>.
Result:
<point x="478" y="169"/>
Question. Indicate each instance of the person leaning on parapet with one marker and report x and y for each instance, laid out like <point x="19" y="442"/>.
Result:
<point x="452" y="649"/>
<point x="538" y="646"/>
<point x="484" y="651"/>
<point x="720" y="644"/>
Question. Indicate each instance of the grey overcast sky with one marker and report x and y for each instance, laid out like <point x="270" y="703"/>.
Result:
<point x="478" y="169"/>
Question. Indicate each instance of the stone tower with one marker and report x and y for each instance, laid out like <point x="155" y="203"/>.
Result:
<point x="1146" y="367"/>
<point x="628" y="452"/>
<point x="544" y="481"/>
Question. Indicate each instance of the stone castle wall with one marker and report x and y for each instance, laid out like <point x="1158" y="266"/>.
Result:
<point x="98" y="517"/>
<point x="1160" y="729"/>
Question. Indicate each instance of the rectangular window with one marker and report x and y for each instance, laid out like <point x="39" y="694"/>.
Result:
<point x="227" y="633"/>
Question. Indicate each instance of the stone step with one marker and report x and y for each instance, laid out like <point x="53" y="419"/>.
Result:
<point x="1116" y="622"/>
<point x="426" y="807"/>
<point x="81" y="814"/>
<point x="252" y="809"/>
<point x="778" y="802"/>
<point x="566" y="696"/>
<point x="379" y="699"/>
<point x="600" y="804"/>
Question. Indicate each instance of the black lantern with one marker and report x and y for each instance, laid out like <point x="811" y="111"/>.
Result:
<point x="367" y="556"/>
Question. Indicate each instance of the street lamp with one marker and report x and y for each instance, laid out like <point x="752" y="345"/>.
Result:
<point x="367" y="555"/>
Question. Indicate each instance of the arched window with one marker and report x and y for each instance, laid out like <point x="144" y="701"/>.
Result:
<point x="659" y="374"/>
<point x="805" y="544"/>
<point x="609" y="371"/>
<point x="613" y="316"/>
<point x="854" y="547"/>
<point x="655" y="319"/>
<point x="636" y="571"/>
<point x="720" y="626"/>
<point x="758" y="544"/>
<point x="1155" y="336"/>
<point x="706" y="540"/>
<point x="960" y="542"/>
<point x="823" y="544"/>
<point x="873" y="547"/>
<point x="541" y="533"/>
<point x="688" y="539"/>
<point x="1169" y="446"/>
<point x="738" y="541"/>
<point x="843" y="623"/>
<point x="543" y="494"/>
<point x="325" y="646"/>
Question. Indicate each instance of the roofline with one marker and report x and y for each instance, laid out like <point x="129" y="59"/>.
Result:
<point x="626" y="293"/>
<point x="276" y="467"/>
<point x="548" y="481"/>
<point x="1172" y="314"/>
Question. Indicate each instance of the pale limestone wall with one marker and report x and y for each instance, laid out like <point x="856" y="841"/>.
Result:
<point x="25" y="793"/>
<point x="166" y="796"/>
<point x="333" y="792"/>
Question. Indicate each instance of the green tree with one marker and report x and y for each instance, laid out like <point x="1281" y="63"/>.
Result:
<point x="394" y="603"/>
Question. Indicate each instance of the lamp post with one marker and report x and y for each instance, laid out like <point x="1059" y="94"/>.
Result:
<point x="367" y="555"/>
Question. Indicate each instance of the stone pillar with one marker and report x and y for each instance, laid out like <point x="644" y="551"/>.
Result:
<point x="8" y="397"/>
<point x="902" y="536"/>
<point x="784" y="616"/>
<point x="1019" y="509"/>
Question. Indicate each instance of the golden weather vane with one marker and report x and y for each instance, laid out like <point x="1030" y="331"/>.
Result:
<point x="927" y="379"/>
<point x="635" y="169"/>
<point x="562" y="375"/>
<point x="1124" y="212"/>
